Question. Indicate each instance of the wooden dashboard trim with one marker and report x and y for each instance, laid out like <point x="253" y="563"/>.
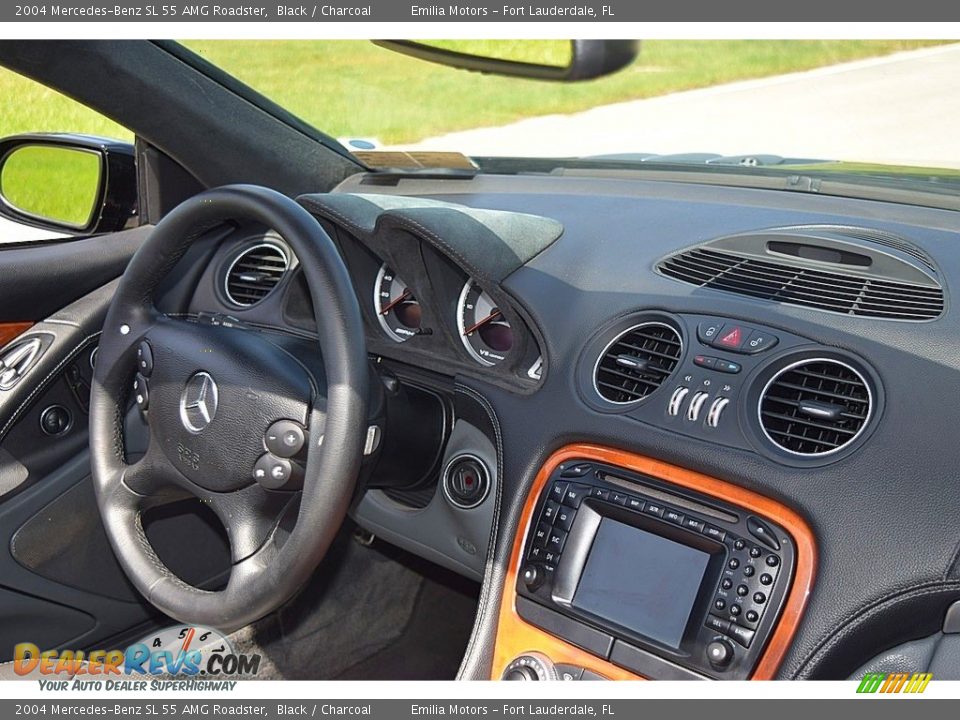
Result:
<point x="516" y="637"/>
<point x="8" y="331"/>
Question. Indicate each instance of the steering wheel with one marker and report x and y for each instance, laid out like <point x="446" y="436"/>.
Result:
<point x="211" y="395"/>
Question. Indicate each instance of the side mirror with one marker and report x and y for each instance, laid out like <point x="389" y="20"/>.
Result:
<point x="585" y="60"/>
<point x="74" y="183"/>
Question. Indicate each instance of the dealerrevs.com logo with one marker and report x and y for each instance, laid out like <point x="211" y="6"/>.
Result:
<point x="181" y="657"/>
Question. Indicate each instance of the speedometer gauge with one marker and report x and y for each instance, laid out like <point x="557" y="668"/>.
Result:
<point x="485" y="333"/>
<point x="397" y="310"/>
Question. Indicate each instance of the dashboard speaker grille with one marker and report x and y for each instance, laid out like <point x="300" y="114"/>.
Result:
<point x="637" y="362"/>
<point x="794" y="285"/>
<point x="815" y="407"/>
<point x="255" y="273"/>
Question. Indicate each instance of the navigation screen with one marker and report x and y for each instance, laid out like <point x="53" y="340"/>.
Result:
<point x="641" y="581"/>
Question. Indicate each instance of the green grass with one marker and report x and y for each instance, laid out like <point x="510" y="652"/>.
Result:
<point x="355" y="89"/>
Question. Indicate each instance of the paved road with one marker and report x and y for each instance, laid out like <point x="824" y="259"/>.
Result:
<point x="899" y="109"/>
<point x="903" y="108"/>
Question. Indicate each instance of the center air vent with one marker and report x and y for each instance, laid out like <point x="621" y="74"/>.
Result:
<point x="254" y="273"/>
<point x="815" y="407"/>
<point x="637" y="362"/>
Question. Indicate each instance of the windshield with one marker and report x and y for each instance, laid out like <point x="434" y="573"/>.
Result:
<point x="754" y="105"/>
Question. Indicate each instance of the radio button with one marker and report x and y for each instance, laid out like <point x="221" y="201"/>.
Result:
<point x="759" y="598"/>
<point x="618" y="498"/>
<point x="550" y="557"/>
<point x="735" y="610"/>
<point x="717" y="624"/>
<point x="743" y="636"/>
<point x="742" y="590"/>
<point x="749" y="570"/>
<point x="550" y="511"/>
<point x="654" y="509"/>
<point x="575" y="495"/>
<point x="565" y="518"/>
<point x="691" y="523"/>
<point x="558" y="491"/>
<point x="714" y="532"/>
<point x="763" y="533"/>
<point x="600" y="494"/>
<point x="536" y="553"/>
<point x="752" y="616"/>
<point x="726" y="584"/>
<point x="720" y="604"/>
<point x="542" y="534"/>
<point x="635" y="504"/>
<point x="673" y="516"/>
<point x="556" y="540"/>
<point x="766" y="579"/>
<point x="772" y="560"/>
<point x="733" y="564"/>
<point x="575" y="471"/>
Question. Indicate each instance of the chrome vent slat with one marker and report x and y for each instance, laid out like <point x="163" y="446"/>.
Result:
<point x="785" y="412"/>
<point x="806" y="287"/>
<point x="255" y="273"/>
<point x="656" y="345"/>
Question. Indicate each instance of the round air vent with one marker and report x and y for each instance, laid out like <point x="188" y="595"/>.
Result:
<point x="815" y="407"/>
<point x="637" y="362"/>
<point x="254" y="273"/>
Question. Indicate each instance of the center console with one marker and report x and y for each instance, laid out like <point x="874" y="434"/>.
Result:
<point x="642" y="569"/>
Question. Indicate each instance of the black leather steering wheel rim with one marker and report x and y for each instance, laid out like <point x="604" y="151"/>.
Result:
<point x="262" y="581"/>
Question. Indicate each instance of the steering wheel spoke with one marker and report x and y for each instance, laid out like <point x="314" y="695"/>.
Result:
<point x="250" y="516"/>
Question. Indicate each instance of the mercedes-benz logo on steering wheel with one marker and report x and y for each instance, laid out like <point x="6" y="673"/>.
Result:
<point x="198" y="403"/>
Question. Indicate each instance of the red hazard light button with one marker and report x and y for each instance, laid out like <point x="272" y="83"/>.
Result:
<point x="730" y="337"/>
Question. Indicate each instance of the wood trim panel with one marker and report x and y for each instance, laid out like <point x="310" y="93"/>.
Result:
<point x="516" y="637"/>
<point x="8" y="331"/>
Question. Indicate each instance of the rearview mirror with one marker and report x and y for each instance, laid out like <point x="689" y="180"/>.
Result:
<point x="533" y="59"/>
<point x="72" y="183"/>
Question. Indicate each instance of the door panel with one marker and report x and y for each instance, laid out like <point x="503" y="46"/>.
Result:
<point x="41" y="278"/>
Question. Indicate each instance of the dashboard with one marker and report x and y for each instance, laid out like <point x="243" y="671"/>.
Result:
<point x="791" y="352"/>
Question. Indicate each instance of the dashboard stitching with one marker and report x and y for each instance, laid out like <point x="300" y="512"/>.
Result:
<point x="403" y="220"/>
<point x="842" y="629"/>
<point x="331" y="213"/>
<point x="42" y="385"/>
<point x="488" y="586"/>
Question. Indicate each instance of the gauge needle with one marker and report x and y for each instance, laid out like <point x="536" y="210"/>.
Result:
<point x="481" y="323"/>
<point x="393" y="303"/>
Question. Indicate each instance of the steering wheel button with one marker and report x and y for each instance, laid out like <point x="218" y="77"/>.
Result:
<point x="273" y="472"/>
<point x="285" y="438"/>
<point x="145" y="359"/>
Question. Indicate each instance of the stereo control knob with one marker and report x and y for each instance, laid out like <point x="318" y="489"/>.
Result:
<point x="522" y="674"/>
<point x="533" y="576"/>
<point x="719" y="653"/>
<point x="533" y="666"/>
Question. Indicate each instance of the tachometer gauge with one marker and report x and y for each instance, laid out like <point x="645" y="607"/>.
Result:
<point x="485" y="333"/>
<point x="397" y="310"/>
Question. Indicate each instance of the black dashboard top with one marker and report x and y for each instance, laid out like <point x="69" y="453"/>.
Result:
<point x="882" y="506"/>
